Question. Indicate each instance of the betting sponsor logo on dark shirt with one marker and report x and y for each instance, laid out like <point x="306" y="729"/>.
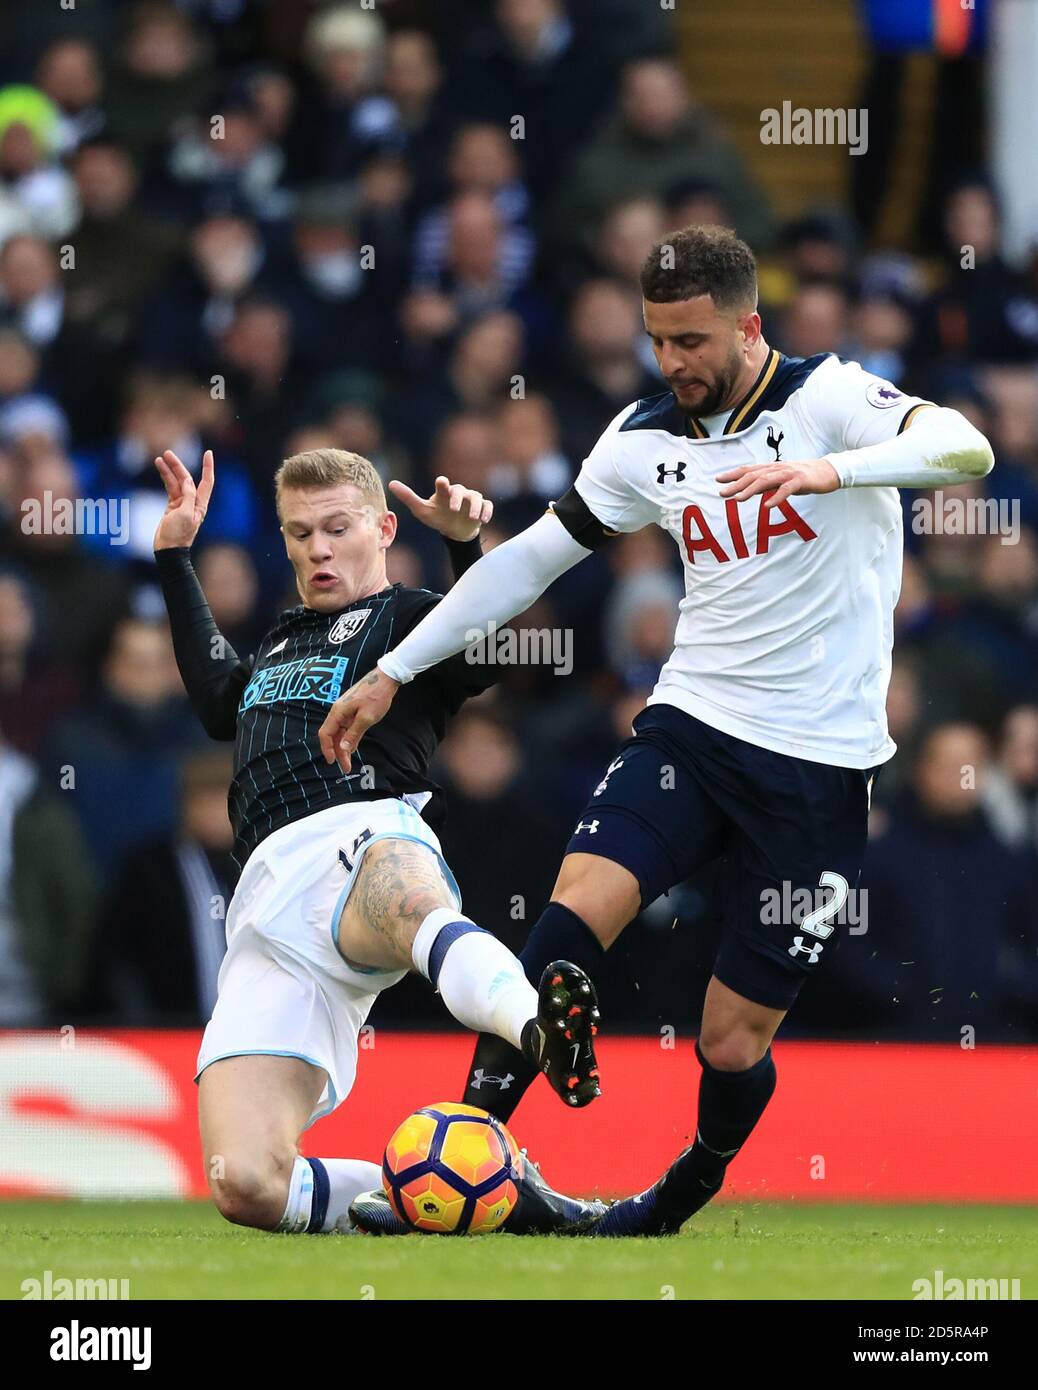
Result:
<point x="313" y="678"/>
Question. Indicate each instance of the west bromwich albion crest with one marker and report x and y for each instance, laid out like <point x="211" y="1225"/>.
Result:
<point x="347" y="625"/>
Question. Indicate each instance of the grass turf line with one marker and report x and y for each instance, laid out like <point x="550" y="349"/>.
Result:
<point x="733" y="1251"/>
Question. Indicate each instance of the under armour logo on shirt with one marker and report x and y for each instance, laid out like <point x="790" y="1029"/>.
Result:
<point x="663" y="472"/>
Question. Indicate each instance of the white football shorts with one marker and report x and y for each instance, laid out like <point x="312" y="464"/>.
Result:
<point x="284" y="990"/>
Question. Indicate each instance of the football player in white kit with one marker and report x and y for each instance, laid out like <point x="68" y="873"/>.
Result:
<point x="777" y="478"/>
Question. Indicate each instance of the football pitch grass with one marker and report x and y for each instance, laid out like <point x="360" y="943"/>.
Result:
<point x="184" y="1250"/>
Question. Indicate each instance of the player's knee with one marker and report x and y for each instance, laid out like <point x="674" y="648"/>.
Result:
<point x="251" y="1193"/>
<point x="732" y="1049"/>
<point x="604" y="895"/>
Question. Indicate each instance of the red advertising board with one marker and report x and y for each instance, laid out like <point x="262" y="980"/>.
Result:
<point x="111" y="1114"/>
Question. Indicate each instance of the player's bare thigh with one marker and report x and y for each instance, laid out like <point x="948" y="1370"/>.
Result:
<point x="398" y="884"/>
<point x="251" y="1112"/>
<point x="601" y="892"/>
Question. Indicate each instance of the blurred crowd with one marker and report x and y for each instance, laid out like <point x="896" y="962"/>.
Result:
<point x="415" y="233"/>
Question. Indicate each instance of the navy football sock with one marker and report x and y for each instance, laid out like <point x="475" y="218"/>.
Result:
<point x="730" y="1104"/>
<point x="559" y="934"/>
<point x="500" y="1075"/>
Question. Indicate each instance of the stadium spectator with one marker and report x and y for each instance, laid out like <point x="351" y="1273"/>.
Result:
<point x="483" y="776"/>
<point x="116" y="756"/>
<point x="225" y="160"/>
<point x="349" y="409"/>
<point x="23" y="409"/>
<point x="817" y="320"/>
<point x="76" y="364"/>
<point x="273" y="99"/>
<point x="481" y="159"/>
<point x="79" y="597"/>
<point x="413" y="83"/>
<point x="47" y="893"/>
<point x="883" y="319"/>
<point x="335" y="299"/>
<point x="696" y="203"/>
<point x="121" y="252"/>
<point x="483" y="368"/>
<point x="937" y="871"/>
<point x="466" y="449"/>
<point x="159" y="939"/>
<point x="35" y="690"/>
<point x="533" y="61"/>
<point x="639" y="623"/>
<point x="998" y="622"/>
<point x="1003" y="411"/>
<point x="480" y="269"/>
<point x="533" y="469"/>
<point x="984" y="311"/>
<point x="160" y="413"/>
<point x="38" y="195"/>
<point x="229" y="581"/>
<point x="658" y="137"/>
<point x="816" y="248"/>
<point x="30" y="292"/>
<point x="629" y="231"/>
<point x="162" y="74"/>
<point x="1010" y="791"/>
<point x="226" y="261"/>
<point x="257" y="369"/>
<point x="341" y="117"/>
<point x="69" y="73"/>
<point x="599" y="371"/>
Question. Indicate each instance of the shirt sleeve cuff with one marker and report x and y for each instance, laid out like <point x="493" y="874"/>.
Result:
<point x="391" y="665"/>
<point x="843" y="464"/>
<point x="464" y="554"/>
<point x="173" y="561"/>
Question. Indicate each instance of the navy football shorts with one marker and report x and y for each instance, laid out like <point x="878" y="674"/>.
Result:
<point x="790" y="835"/>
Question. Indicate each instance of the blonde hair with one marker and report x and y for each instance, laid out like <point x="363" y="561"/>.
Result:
<point x="327" y="468"/>
<point x="340" y="28"/>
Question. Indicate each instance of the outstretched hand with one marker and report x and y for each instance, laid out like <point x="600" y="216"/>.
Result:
<point x="186" y="502"/>
<point x="456" y="512"/>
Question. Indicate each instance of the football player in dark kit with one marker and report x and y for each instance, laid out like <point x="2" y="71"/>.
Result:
<point x="342" y="886"/>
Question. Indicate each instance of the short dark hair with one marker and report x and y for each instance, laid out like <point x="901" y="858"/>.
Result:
<point x="701" y="260"/>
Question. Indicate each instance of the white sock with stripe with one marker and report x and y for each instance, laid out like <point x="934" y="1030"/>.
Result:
<point x="320" y="1191"/>
<point x="477" y="977"/>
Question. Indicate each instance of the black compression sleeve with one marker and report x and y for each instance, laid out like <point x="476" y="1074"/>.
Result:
<point x="209" y="667"/>
<point x="463" y="555"/>
<point x="580" y="521"/>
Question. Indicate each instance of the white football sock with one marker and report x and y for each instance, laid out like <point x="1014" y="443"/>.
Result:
<point x="300" y="1198"/>
<point x="477" y="976"/>
<point x="347" y="1179"/>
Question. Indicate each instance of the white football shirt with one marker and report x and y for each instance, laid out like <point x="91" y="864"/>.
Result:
<point x="785" y="631"/>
